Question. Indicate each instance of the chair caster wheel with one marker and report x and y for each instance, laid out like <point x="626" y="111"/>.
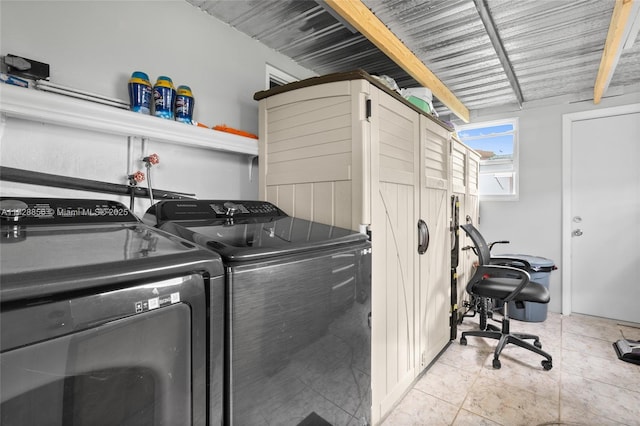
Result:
<point x="496" y="364"/>
<point x="537" y="344"/>
<point x="547" y="365"/>
<point x="463" y="341"/>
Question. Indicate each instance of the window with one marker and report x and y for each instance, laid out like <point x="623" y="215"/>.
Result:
<point x="497" y="144"/>
<point x="276" y="77"/>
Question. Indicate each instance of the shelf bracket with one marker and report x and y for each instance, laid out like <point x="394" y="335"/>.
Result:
<point x="251" y="160"/>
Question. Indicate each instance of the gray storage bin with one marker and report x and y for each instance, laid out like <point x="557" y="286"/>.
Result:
<point x="539" y="269"/>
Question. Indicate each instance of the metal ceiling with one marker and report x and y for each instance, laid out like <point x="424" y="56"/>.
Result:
<point x="554" y="47"/>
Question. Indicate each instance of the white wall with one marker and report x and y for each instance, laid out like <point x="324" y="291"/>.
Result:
<point x="533" y="223"/>
<point x="94" y="46"/>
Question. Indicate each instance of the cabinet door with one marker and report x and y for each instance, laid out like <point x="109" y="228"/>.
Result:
<point x="394" y="213"/>
<point x="307" y="165"/>
<point x="433" y="300"/>
<point x="465" y="164"/>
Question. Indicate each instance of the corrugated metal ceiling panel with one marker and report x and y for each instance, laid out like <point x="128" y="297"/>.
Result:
<point x="554" y="46"/>
<point x="628" y="69"/>
<point x="304" y="31"/>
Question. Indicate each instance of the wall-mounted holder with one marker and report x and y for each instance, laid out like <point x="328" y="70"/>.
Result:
<point x="23" y="67"/>
<point x="11" y="174"/>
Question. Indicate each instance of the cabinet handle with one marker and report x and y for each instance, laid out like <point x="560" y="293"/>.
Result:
<point x="423" y="237"/>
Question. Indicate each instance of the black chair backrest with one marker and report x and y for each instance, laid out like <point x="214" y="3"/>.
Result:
<point x="484" y="254"/>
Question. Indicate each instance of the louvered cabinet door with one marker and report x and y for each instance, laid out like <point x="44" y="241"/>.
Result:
<point x="459" y="186"/>
<point x="465" y="169"/>
<point x="394" y="214"/>
<point x="433" y="289"/>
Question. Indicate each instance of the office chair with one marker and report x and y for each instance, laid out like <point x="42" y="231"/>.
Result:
<point x="503" y="284"/>
<point x="483" y="306"/>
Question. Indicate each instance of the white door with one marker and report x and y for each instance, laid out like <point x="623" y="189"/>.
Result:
<point x="605" y="216"/>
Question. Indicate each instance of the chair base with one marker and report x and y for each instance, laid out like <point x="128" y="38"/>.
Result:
<point x="505" y="337"/>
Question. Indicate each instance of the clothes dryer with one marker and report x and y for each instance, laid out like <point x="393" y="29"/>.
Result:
<point x="104" y="320"/>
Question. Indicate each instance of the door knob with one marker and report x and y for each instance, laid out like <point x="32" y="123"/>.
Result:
<point x="577" y="232"/>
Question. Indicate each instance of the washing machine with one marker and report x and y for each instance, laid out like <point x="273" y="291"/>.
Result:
<point x="105" y="321"/>
<point x="298" y="310"/>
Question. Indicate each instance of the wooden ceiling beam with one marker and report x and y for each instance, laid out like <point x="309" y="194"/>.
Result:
<point x="369" y="25"/>
<point x="612" y="47"/>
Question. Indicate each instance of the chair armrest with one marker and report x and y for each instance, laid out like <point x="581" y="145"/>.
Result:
<point x="500" y="271"/>
<point x="497" y="242"/>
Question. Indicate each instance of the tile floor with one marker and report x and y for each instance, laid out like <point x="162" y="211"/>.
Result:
<point x="588" y="385"/>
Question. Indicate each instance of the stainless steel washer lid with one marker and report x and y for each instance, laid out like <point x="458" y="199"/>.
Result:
<point x="258" y="240"/>
<point x="247" y="230"/>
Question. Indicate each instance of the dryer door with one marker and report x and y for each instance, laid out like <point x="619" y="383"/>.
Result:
<point x="134" y="369"/>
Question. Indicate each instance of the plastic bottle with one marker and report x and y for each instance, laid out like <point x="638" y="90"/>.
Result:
<point x="164" y="95"/>
<point x="184" y="105"/>
<point x="140" y="92"/>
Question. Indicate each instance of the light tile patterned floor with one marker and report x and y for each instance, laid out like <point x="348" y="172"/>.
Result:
<point x="588" y="385"/>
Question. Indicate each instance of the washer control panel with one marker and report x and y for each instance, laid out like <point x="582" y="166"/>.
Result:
<point x="211" y="209"/>
<point x="248" y="208"/>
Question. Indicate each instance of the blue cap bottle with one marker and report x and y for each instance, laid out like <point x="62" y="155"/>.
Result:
<point x="184" y="104"/>
<point x="164" y="95"/>
<point x="140" y="92"/>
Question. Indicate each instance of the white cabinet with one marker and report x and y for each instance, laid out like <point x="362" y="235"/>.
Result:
<point x="341" y="150"/>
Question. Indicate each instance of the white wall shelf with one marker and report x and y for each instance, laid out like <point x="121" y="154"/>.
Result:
<point x="66" y="111"/>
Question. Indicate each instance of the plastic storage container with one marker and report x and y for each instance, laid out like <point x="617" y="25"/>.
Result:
<point x="539" y="269"/>
<point x="420" y="103"/>
<point x="420" y="97"/>
<point x="420" y="92"/>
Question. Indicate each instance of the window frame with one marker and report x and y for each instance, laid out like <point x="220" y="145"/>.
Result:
<point x="515" y="162"/>
<point x="278" y="76"/>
